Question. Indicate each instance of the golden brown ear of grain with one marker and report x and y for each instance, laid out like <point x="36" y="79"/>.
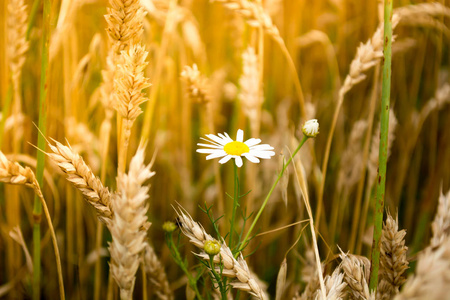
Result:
<point x="393" y="262"/>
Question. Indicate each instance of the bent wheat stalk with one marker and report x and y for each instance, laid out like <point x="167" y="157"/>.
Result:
<point x="13" y="173"/>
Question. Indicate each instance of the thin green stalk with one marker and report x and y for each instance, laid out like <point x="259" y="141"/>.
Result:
<point x="235" y="205"/>
<point x="180" y="262"/>
<point x="382" y="159"/>
<point x="243" y="244"/>
<point x="222" y="287"/>
<point x="37" y="209"/>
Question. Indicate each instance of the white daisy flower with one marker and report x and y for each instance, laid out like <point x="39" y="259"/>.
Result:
<point x="223" y="146"/>
<point x="311" y="128"/>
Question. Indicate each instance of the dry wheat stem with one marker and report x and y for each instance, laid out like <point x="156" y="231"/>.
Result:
<point x="232" y="268"/>
<point x="129" y="225"/>
<point x="81" y="176"/>
<point x="156" y="274"/>
<point x="13" y="173"/>
<point x="393" y="262"/>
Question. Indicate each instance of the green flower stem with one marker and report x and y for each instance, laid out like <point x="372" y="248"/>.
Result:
<point x="222" y="286"/>
<point x="382" y="159"/>
<point x="242" y="245"/>
<point x="180" y="262"/>
<point x="235" y="205"/>
<point x="37" y="209"/>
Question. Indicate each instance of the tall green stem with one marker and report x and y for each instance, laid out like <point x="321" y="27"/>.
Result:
<point x="235" y="205"/>
<point x="382" y="159"/>
<point x="37" y="209"/>
<point x="242" y="245"/>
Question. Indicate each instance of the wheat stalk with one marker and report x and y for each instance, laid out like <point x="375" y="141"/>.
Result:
<point x="393" y="262"/>
<point x="129" y="225"/>
<point x="232" y="268"/>
<point x="13" y="173"/>
<point x="157" y="274"/>
<point x="81" y="176"/>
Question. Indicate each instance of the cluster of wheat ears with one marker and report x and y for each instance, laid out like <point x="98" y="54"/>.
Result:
<point x="113" y="95"/>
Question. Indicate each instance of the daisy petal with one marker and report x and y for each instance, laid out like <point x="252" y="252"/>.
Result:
<point x="238" y="161"/>
<point x="251" y="158"/>
<point x="262" y="154"/>
<point x="210" y="141"/>
<point x="252" y="142"/>
<point x="210" y="145"/>
<point x="240" y="135"/>
<point x="209" y="151"/>
<point x="216" y="139"/>
<point x="262" y="147"/>
<point x="217" y="154"/>
<point x="225" y="159"/>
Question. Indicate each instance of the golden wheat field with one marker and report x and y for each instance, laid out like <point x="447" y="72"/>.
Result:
<point x="224" y="149"/>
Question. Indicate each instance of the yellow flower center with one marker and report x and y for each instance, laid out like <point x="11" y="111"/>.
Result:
<point x="236" y="148"/>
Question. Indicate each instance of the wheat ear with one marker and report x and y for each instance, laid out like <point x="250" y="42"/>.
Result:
<point x="441" y="222"/>
<point x="197" y="84"/>
<point x="81" y="176"/>
<point x="393" y="262"/>
<point x="432" y="277"/>
<point x="232" y="268"/>
<point x="356" y="270"/>
<point x="129" y="225"/>
<point x="157" y="274"/>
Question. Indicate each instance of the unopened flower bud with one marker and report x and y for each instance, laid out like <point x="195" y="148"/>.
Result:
<point x="169" y="227"/>
<point x="212" y="247"/>
<point x="311" y="128"/>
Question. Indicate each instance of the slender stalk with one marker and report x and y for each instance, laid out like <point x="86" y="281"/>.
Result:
<point x="360" y="188"/>
<point x="182" y="263"/>
<point x="5" y="112"/>
<point x="242" y="245"/>
<point x="382" y="159"/>
<point x="150" y="108"/>
<point x="222" y="288"/>
<point x="37" y="209"/>
<point x="235" y="205"/>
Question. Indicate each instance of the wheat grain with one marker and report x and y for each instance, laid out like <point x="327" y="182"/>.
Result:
<point x="129" y="225"/>
<point x="255" y="16"/>
<point x="232" y="268"/>
<point x="17" y="42"/>
<point x="335" y="286"/>
<point x="157" y="274"/>
<point x="393" y="262"/>
<point x="356" y="270"/>
<point x="129" y="83"/>
<point x="81" y="176"/>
